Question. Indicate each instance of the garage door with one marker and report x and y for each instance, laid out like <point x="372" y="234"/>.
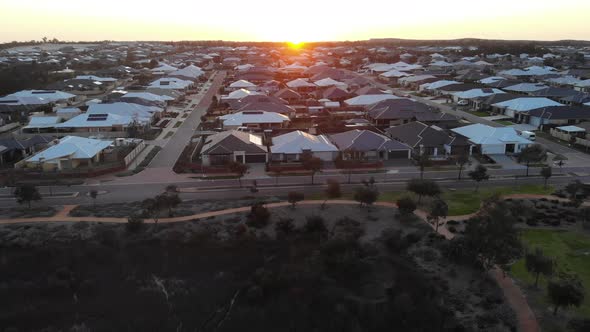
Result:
<point x="398" y="154"/>
<point x="255" y="158"/>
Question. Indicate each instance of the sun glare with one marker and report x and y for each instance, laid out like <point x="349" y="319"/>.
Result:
<point x="295" y="44"/>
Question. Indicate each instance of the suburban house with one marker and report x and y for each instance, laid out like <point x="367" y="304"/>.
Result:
<point x="514" y="106"/>
<point x="367" y="100"/>
<point x="394" y="112"/>
<point x="367" y="145"/>
<point x="172" y="83"/>
<point x="242" y="84"/>
<point x="555" y="116"/>
<point x="489" y="140"/>
<point x="432" y="141"/>
<point x="525" y="88"/>
<point x="16" y="149"/>
<point x="291" y="96"/>
<point x="254" y="120"/>
<point x="70" y="152"/>
<point x="290" y="146"/>
<point x="475" y="93"/>
<point x="228" y="146"/>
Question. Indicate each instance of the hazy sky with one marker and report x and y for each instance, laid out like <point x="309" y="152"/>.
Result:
<point x="300" y="20"/>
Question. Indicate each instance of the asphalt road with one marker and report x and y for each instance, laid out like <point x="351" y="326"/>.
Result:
<point x="171" y="151"/>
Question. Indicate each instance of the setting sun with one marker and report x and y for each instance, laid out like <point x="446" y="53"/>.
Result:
<point x="295" y="44"/>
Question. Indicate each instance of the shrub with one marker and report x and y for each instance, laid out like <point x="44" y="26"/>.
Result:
<point x="134" y="223"/>
<point x="413" y="237"/>
<point x="294" y="197"/>
<point x="452" y="229"/>
<point x="258" y="216"/>
<point x="285" y="226"/>
<point x="315" y="224"/>
<point x="406" y="205"/>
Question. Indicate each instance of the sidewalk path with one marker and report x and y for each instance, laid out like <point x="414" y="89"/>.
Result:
<point x="525" y="316"/>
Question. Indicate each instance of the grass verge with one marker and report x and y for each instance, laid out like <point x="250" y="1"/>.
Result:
<point x="461" y="202"/>
<point x="571" y="251"/>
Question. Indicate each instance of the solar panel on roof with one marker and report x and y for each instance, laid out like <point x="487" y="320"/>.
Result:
<point x="97" y="117"/>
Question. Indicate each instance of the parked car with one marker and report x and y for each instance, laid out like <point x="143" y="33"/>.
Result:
<point x="463" y="102"/>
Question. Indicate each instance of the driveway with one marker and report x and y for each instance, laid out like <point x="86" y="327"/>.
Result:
<point x="505" y="161"/>
<point x="574" y="157"/>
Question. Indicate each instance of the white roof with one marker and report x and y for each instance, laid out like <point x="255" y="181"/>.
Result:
<point x="165" y="68"/>
<point x="526" y="87"/>
<point x="172" y="83"/>
<point x="441" y="64"/>
<point x="243" y="67"/>
<point x="245" y="117"/>
<point x="329" y="82"/>
<point x="42" y="122"/>
<point x="571" y="129"/>
<point x="526" y="104"/>
<point x="299" y="83"/>
<point x="38" y="96"/>
<point x="242" y="84"/>
<point x="96" y="78"/>
<point x="484" y="134"/>
<point x="491" y="79"/>
<point x="394" y="73"/>
<point x="239" y="94"/>
<point x="583" y="84"/>
<point x="365" y="100"/>
<point x="148" y="96"/>
<point x="92" y="121"/>
<point x="73" y="147"/>
<point x="437" y="84"/>
<point x="565" y="80"/>
<point x="125" y="109"/>
<point x="298" y="141"/>
<point x="415" y="78"/>
<point x="68" y="110"/>
<point x="476" y="93"/>
<point x="191" y="71"/>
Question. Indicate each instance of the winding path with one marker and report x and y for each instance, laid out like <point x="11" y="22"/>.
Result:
<point x="527" y="321"/>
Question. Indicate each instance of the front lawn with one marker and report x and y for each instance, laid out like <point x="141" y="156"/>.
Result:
<point x="506" y="123"/>
<point x="570" y="249"/>
<point x="481" y="114"/>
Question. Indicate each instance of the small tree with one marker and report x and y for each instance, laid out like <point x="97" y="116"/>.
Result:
<point x="565" y="291"/>
<point x="438" y="210"/>
<point x="312" y="164"/>
<point x="27" y="193"/>
<point x="93" y="194"/>
<point x="239" y="169"/>
<point x="423" y="188"/>
<point x="537" y="263"/>
<point x="480" y="173"/>
<point x="332" y="191"/>
<point x="169" y="201"/>
<point x="152" y="207"/>
<point x="366" y="195"/>
<point x="423" y="162"/>
<point x="406" y="205"/>
<point x="532" y="154"/>
<point x="294" y="197"/>
<point x="546" y="173"/>
<point x="171" y="188"/>
<point x="462" y="160"/>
